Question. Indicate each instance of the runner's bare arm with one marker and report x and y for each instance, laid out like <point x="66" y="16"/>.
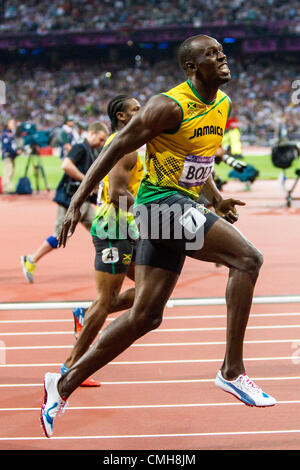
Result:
<point x="119" y="178"/>
<point x="159" y="114"/>
<point x="225" y="208"/>
<point x="211" y="192"/>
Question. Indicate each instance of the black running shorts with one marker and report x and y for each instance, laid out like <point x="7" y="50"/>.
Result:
<point x="171" y="228"/>
<point x="114" y="256"/>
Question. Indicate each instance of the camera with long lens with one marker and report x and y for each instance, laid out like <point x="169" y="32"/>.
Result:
<point x="284" y="153"/>
<point x="237" y="165"/>
<point x="240" y="170"/>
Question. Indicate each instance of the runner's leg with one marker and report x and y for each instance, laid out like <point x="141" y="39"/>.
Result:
<point x="226" y="245"/>
<point x="108" y="286"/>
<point x="124" y="300"/>
<point x="153" y="289"/>
<point x="109" y="277"/>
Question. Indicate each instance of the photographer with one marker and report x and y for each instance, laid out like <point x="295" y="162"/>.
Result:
<point x="75" y="166"/>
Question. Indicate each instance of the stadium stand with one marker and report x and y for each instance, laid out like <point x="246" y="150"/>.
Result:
<point x="261" y="92"/>
<point x="78" y="75"/>
<point x="81" y="15"/>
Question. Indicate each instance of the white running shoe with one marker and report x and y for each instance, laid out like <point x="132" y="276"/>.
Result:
<point x="245" y="390"/>
<point x="53" y="404"/>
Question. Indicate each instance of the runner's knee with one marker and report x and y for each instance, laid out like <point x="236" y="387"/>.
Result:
<point x="146" y="319"/>
<point x="114" y="301"/>
<point x="252" y="262"/>
<point x="104" y="302"/>
<point x="97" y="313"/>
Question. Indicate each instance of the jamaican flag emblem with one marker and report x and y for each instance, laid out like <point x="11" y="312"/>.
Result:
<point x="192" y="107"/>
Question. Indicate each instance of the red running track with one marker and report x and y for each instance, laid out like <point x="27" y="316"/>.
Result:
<point x="160" y="393"/>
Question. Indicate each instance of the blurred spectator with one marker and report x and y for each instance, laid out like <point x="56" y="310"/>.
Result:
<point x="260" y="90"/>
<point x="232" y="138"/>
<point x="9" y="153"/>
<point x="68" y="137"/>
<point x="83" y="15"/>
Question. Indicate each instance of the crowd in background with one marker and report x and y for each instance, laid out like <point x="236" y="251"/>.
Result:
<point x="260" y="89"/>
<point x="83" y="15"/>
<point x="261" y="86"/>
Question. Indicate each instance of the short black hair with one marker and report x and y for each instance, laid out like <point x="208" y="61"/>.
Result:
<point x="116" y="105"/>
<point x="186" y="50"/>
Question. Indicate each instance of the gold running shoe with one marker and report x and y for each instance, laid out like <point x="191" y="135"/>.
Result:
<point x="28" y="267"/>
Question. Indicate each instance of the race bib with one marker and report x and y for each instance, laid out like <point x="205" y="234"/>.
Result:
<point x="196" y="170"/>
<point x="110" y="255"/>
<point x="192" y="220"/>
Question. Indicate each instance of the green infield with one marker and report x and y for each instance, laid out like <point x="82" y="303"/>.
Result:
<point x="53" y="171"/>
<point x="51" y="166"/>
<point x="263" y="163"/>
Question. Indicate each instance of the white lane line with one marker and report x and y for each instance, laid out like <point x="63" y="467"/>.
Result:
<point x="275" y="299"/>
<point x="56" y="320"/>
<point x="148" y="436"/>
<point x="166" y="317"/>
<point x="43" y="305"/>
<point x="42" y="333"/>
<point x="176" y="361"/>
<point x="134" y="407"/>
<point x="152" y="345"/>
<point x="159" y="330"/>
<point x="157" y="382"/>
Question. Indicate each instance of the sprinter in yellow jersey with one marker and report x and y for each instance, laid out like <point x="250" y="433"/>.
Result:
<point x="181" y="141"/>
<point x="114" y="235"/>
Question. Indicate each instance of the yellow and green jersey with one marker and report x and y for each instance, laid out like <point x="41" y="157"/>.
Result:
<point x="110" y="221"/>
<point x="182" y="160"/>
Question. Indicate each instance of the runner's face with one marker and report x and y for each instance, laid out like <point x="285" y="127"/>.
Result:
<point x="131" y="107"/>
<point x="211" y="62"/>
